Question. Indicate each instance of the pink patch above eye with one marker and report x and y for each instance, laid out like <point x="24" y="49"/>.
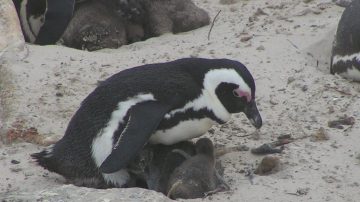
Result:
<point x="241" y="93"/>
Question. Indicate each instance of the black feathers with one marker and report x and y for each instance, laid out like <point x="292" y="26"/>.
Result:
<point x="347" y="40"/>
<point x="118" y="118"/>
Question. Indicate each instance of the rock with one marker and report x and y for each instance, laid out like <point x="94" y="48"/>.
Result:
<point x="268" y="165"/>
<point x="302" y="191"/>
<point x="290" y="79"/>
<point x="260" y="11"/>
<point x="266" y="149"/>
<point x="330" y="179"/>
<point x="320" y="135"/>
<point x="343" y="3"/>
<point x="12" y="48"/>
<point x="228" y="1"/>
<point x="245" y="38"/>
<point x="261" y="47"/>
<point x="16" y="169"/>
<point x="12" y="41"/>
<point x="304" y="12"/>
<point x="316" y="11"/>
<point x="73" y="193"/>
<point x="341" y="121"/>
<point x="304" y="88"/>
<point x="15" y="162"/>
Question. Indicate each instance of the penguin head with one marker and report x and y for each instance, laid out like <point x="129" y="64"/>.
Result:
<point x="234" y="86"/>
<point x="205" y="146"/>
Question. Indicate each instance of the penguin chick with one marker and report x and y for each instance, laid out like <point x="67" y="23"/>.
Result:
<point x="154" y="164"/>
<point x="197" y="176"/>
<point x="163" y="103"/>
<point x="93" y="27"/>
<point x="345" y="59"/>
<point x="173" y="16"/>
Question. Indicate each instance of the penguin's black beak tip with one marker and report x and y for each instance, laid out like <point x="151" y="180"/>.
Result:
<point x="256" y="121"/>
<point x="253" y="114"/>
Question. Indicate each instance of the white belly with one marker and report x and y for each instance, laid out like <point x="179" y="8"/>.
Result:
<point x="185" y="130"/>
<point x="353" y="74"/>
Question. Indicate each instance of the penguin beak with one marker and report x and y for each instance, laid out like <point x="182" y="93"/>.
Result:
<point x="252" y="113"/>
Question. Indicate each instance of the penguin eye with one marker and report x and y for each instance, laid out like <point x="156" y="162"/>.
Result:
<point x="242" y="95"/>
<point x="235" y="93"/>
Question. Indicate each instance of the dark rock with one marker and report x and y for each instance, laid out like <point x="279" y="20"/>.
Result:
<point x="267" y="165"/>
<point x="15" y="162"/>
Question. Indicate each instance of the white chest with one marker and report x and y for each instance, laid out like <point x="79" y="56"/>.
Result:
<point x="185" y="130"/>
<point x="353" y="74"/>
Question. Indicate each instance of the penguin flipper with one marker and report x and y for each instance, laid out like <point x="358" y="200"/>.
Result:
<point x="143" y="120"/>
<point x="57" y="17"/>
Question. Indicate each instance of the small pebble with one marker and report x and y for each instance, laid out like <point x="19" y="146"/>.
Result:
<point x="290" y="80"/>
<point x="246" y="38"/>
<point x="266" y="149"/>
<point x="15" y="162"/>
<point x="261" y="47"/>
<point x="267" y="165"/>
<point x="27" y="174"/>
<point x="16" y="169"/>
<point x="319" y="135"/>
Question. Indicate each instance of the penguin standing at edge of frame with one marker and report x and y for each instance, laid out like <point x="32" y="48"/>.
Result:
<point x="345" y="59"/>
<point x="44" y="21"/>
<point x="161" y="103"/>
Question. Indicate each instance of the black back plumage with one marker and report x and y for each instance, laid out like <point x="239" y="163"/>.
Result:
<point x="183" y="78"/>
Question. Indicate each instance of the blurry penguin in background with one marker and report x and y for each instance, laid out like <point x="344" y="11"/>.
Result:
<point x="44" y="21"/>
<point x="345" y="59"/>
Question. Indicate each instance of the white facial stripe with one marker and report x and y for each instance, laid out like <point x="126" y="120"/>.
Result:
<point x="204" y="101"/>
<point x="338" y="58"/>
<point x="214" y="77"/>
<point x="208" y="98"/>
<point x="185" y="130"/>
<point x="35" y="24"/>
<point x="102" y="145"/>
<point x="24" y="21"/>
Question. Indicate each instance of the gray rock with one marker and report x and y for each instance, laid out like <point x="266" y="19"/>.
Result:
<point x="11" y="38"/>
<point x="73" y="193"/>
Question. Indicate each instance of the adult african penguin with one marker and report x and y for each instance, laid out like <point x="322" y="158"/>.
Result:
<point x="44" y="21"/>
<point x="161" y="103"/>
<point x="345" y="59"/>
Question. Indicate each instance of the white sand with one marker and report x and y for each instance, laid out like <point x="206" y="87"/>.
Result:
<point x="327" y="170"/>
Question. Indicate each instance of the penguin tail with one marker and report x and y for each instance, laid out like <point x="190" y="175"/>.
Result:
<point x="46" y="159"/>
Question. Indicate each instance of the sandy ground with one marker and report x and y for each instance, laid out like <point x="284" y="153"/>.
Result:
<point x="287" y="49"/>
